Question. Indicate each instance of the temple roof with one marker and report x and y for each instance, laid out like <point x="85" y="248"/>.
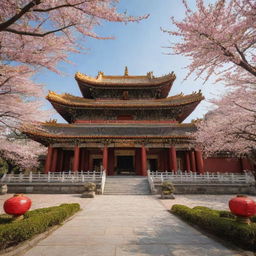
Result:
<point x="176" y="108"/>
<point x="56" y="132"/>
<point x="89" y="84"/>
<point x="70" y="100"/>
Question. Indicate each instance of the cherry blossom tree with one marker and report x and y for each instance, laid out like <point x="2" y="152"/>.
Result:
<point x="220" y="40"/>
<point x="37" y="34"/>
<point x="19" y="104"/>
<point x="231" y="126"/>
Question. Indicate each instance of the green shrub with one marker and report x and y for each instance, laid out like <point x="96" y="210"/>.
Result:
<point x="5" y="218"/>
<point x="242" y="234"/>
<point x="227" y="214"/>
<point x="167" y="187"/>
<point x="35" y="222"/>
<point x="202" y="208"/>
<point x="253" y="218"/>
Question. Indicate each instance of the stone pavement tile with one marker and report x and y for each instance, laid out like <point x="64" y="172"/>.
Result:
<point x="84" y="224"/>
<point x="92" y="250"/>
<point x="175" y="239"/>
<point x="119" y="230"/>
<point x="134" y="225"/>
<point x="143" y="250"/>
<point x="81" y="231"/>
<point x="82" y="240"/>
<point x="202" y="250"/>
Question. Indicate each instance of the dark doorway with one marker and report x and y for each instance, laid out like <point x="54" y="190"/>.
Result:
<point x="153" y="164"/>
<point x="125" y="165"/>
<point x="96" y="164"/>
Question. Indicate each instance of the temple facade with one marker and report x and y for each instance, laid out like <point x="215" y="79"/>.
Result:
<point x="125" y="125"/>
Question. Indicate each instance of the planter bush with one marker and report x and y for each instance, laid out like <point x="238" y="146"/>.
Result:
<point x="89" y="187"/>
<point x="167" y="190"/>
<point x="35" y="222"/>
<point x="242" y="235"/>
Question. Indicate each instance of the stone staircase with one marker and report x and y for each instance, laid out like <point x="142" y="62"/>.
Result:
<point x="126" y="185"/>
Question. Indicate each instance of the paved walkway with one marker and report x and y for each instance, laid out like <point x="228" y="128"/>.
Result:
<point x="127" y="225"/>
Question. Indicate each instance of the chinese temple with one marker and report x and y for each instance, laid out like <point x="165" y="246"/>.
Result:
<point x="125" y="124"/>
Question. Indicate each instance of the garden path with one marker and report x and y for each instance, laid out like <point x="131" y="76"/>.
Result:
<point x="125" y="226"/>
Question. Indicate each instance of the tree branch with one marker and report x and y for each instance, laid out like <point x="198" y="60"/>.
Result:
<point x="241" y="54"/>
<point x="59" y="7"/>
<point x="24" y="10"/>
<point x="245" y="65"/>
<point x="248" y="109"/>
<point x="26" y="33"/>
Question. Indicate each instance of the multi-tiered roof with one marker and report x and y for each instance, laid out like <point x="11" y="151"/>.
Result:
<point x="118" y="108"/>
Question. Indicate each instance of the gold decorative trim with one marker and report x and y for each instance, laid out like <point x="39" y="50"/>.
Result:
<point x="34" y="131"/>
<point x="146" y="80"/>
<point x="118" y="124"/>
<point x="70" y="100"/>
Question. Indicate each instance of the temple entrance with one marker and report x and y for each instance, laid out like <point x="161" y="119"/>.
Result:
<point x="125" y="165"/>
<point x="152" y="165"/>
<point x="97" y="163"/>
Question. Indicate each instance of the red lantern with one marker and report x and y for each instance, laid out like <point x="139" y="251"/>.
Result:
<point x="17" y="205"/>
<point x="243" y="207"/>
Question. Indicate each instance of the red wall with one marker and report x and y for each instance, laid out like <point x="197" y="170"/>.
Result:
<point x="217" y="164"/>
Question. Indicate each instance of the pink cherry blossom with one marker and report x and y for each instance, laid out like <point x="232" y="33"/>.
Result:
<point x="231" y="126"/>
<point x="220" y="40"/>
<point x="37" y="34"/>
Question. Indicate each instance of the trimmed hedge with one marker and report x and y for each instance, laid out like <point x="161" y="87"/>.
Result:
<point x="35" y="222"/>
<point x="226" y="227"/>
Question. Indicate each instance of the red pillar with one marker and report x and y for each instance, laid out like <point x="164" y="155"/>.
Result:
<point x="188" y="168"/>
<point x="87" y="159"/>
<point x="60" y="160"/>
<point x="48" y="161"/>
<point x="161" y="161"/>
<point x="105" y="159"/>
<point x="143" y="161"/>
<point x="138" y="161"/>
<point x="165" y="159"/>
<point x="199" y="161"/>
<point x="76" y="159"/>
<point x="82" y="159"/>
<point x="111" y="162"/>
<point x="173" y="159"/>
<point x="54" y="160"/>
<point x="192" y="161"/>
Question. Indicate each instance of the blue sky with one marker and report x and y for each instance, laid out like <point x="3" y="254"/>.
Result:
<point x="140" y="46"/>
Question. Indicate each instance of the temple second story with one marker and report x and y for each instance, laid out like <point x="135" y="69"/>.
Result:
<point x="125" y="98"/>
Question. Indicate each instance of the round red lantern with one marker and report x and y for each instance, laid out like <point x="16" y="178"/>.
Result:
<point x="17" y="205"/>
<point x="243" y="207"/>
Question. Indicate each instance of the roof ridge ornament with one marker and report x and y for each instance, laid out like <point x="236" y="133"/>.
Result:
<point x="150" y="75"/>
<point x="126" y="71"/>
<point x="51" y="121"/>
<point x="100" y="75"/>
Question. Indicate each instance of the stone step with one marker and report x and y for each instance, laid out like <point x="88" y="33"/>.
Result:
<point x="126" y="185"/>
<point x="126" y="194"/>
<point x="126" y="190"/>
<point x="125" y="181"/>
<point x="121" y="185"/>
